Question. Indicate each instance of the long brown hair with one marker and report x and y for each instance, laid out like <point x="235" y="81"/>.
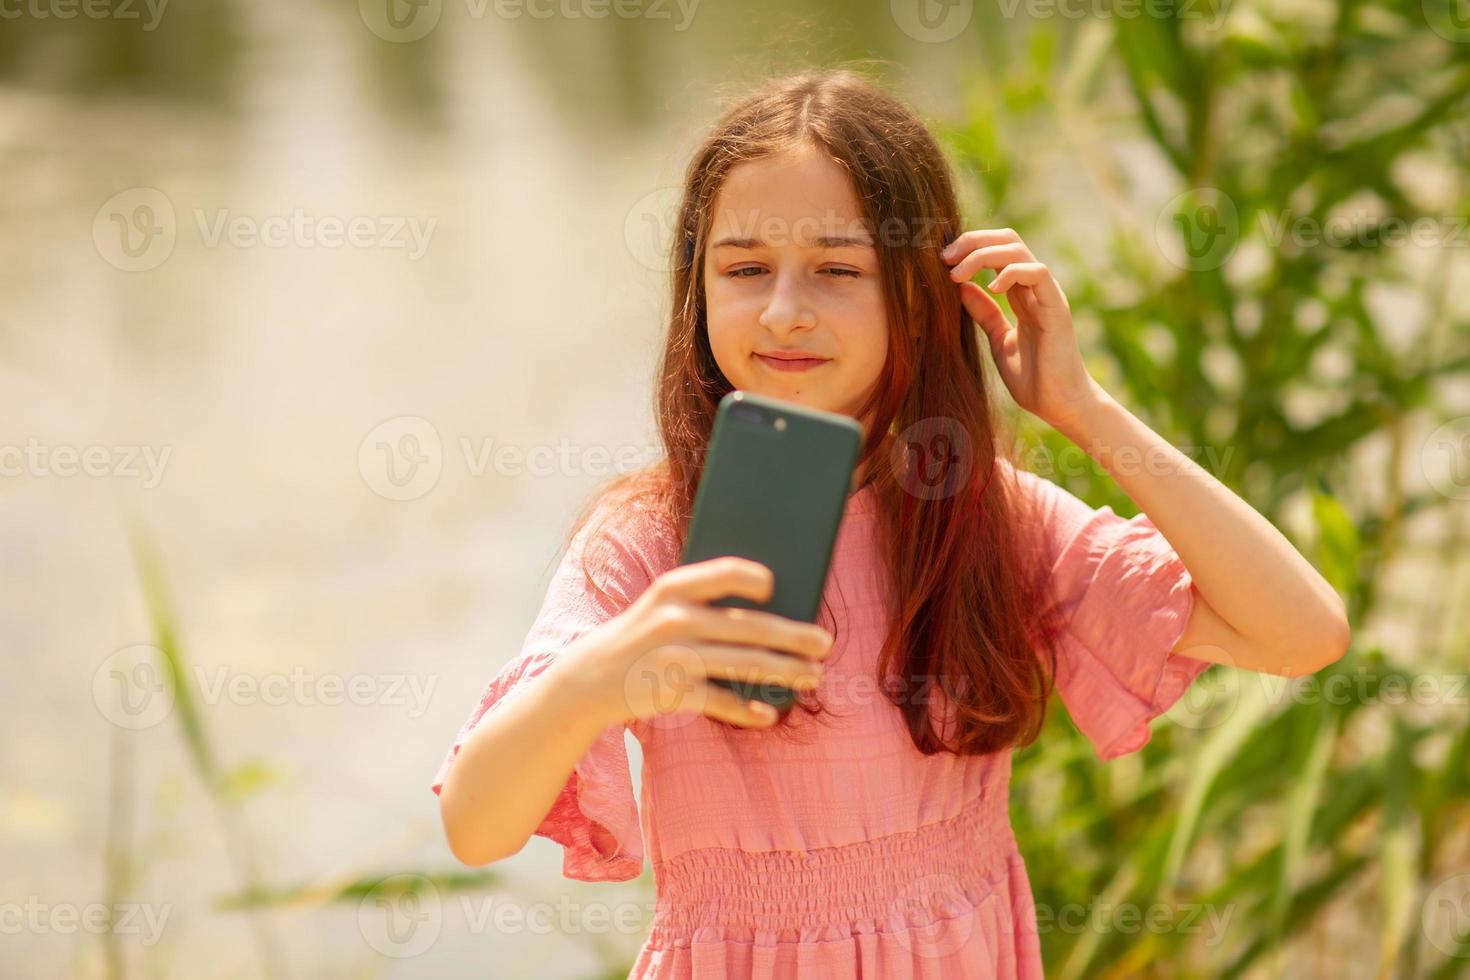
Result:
<point x="971" y="626"/>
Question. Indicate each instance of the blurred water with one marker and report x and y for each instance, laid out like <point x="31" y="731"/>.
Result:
<point x="260" y="371"/>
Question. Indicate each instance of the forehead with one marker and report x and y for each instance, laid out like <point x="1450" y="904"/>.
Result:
<point x="805" y="191"/>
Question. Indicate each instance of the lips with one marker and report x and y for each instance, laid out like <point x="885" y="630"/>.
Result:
<point x="790" y="360"/>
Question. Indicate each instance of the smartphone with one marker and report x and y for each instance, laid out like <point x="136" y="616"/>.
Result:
<point x="774" y="488"/>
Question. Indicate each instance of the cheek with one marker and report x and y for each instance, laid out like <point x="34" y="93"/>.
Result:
<point x="732" y="315"/>
<point x="867" y="324"/>
<point x="720" y="316"/>
<point x="724" y="324"/>
<point x="725" y="300"/>
<point x="872" y="353"/>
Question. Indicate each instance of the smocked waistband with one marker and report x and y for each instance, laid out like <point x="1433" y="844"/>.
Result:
<point x="870" y="880"/>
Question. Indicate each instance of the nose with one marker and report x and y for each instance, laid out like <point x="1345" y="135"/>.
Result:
<point x="787" y="308"/>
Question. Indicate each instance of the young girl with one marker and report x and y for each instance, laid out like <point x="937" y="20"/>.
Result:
<point x="865" y="832"/>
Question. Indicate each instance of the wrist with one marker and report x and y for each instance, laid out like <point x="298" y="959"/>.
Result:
<point x="1077" y="419"/>
<point x="575" y="691"/>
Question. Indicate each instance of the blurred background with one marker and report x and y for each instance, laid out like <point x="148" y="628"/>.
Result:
<point x="319" y="321"/>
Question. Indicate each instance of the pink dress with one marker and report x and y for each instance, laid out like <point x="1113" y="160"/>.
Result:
<point x="847" y="853"/>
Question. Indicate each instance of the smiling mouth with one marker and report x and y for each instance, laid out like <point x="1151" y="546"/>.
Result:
<point x="791" y="363"/>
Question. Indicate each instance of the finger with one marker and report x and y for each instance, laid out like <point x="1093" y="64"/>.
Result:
<point x="756" y="628"/>
<point x="985" y="311"/>
<point x="717" y="578"/>
<point x="726" y="705"/>
<point x="979" y="238"/>
<point x="1023" y="301"/>
<point x="1049" y="292"/>
<point x="1024" y="273"/>
<point x="991" y="257"/>
<point x="1043" y="294"/>
<point x="740" y="663"/>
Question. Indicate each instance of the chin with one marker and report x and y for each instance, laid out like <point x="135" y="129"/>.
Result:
<point x="806" y="399"/>
<point x="782" y="395"/>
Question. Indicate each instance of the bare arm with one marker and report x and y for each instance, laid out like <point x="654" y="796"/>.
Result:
<point x="511" y="768"/>
<point x="652" y="658"/>
<point x="1262" y="605"/>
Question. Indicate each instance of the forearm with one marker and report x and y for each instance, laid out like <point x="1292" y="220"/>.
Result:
<point x="515" y="762"/>
<point x="1245" y="568"/>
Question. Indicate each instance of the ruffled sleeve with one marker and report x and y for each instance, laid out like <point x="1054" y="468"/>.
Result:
<point x="594" y="818"/>
<point x="1125" y="598"/>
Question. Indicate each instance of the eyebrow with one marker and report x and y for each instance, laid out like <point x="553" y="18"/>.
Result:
<point x="825" y="241"/>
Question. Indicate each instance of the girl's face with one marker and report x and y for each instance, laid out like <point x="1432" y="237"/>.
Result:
<point x="791" y="270"/>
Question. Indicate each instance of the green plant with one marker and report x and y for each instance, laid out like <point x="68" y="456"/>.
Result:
<point x="1294" y="362"/>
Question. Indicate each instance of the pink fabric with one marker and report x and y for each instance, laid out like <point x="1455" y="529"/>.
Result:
<point x="837" y="849"/>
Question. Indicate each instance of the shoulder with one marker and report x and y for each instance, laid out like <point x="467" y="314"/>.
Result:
<point x="1031" y="489"/>
<point x="1046" y="508"/>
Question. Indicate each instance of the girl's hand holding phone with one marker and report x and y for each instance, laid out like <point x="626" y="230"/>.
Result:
<point x="655" y="657"/>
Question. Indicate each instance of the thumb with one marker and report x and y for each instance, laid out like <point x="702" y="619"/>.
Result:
<point x="986" y="312"/>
